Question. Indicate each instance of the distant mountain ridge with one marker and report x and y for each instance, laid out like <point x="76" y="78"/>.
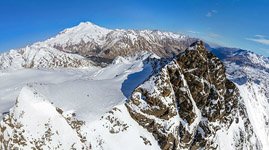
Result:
<point x="88" y="44"/>
<point x="89" y="39"/>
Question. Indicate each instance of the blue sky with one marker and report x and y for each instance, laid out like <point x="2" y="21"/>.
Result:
<point x="234" y="23"/>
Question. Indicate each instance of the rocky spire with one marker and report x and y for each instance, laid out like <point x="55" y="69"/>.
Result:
<point x="188" y="101"/>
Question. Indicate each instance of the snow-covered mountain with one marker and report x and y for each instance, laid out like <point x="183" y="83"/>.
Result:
<point x="88" y="39"/>
<point x="88" y="44"/>
<point x="94" y="88"/>
<point x="39" y="55"/>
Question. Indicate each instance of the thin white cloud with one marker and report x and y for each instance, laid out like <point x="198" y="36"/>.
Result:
<point x="211" y="13"/>
<point x="264" y="49"/>
<point x="214" y="11"/>
<point x="259" y="36"/>
<point x="193" y="32"/>
<point x="259" y="39"/>
<point x="213" y="35"/>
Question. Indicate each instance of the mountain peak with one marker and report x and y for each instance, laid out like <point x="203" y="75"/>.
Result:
<point x="85" y="31"/>
<point x="87" y="24"/>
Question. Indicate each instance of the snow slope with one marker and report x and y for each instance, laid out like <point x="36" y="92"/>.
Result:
<point x="250" y="72"/>
<point x="35" y="122"/>
<point x="90" y="91"/>
<point x="117" y="130"/>
<point x="40" y="55"/>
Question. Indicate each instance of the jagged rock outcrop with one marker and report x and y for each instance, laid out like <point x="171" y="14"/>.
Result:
<point x="190" y="103"/>
<point x="34" y="123"/>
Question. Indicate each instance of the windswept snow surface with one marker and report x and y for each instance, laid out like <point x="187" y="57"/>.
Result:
<point x="116" y="128"/>
<point x="89" y="92"/>
<point x="92" y="95"/>
<point x="252" y="82"/>
<point x="39" y="123"/>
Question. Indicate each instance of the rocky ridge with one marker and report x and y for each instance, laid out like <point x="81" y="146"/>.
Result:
<point x="89" y="45"/>
<point x="189" y="102"/>
<point x="92" y="40"/>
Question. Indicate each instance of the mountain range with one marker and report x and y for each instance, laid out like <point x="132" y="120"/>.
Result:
<point x="95" y="88"/>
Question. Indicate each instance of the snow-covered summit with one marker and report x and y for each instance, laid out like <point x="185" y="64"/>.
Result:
<point x="85" y="31"/>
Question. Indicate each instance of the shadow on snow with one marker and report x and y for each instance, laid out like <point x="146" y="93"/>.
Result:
<point x="135" y="79"/>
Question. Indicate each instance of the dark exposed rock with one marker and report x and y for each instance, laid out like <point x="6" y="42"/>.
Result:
<point x="191" y="101"/>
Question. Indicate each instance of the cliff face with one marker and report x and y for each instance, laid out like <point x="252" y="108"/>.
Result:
<point x="191" y="104"/>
